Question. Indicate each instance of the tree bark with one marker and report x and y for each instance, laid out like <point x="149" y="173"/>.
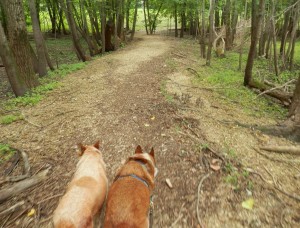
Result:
<point x="134" y="19"/>
<point x="39" y="40"/>
<point x="18" y="40"/>
<point x="75" y="38"/>
<point x="255" y="28"/>
<point x="176" y="20"/>
<point x="103" y="25"/>
<point x="202" y="38"/>
<point x="145" y="17"/>
<point x="295" y="106"/>
<point x="17" y="83"/>
<point x="211" y="31"/>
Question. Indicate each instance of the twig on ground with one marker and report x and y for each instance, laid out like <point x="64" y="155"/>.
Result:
<point x="293" y="196"/>
<point x="278" y="87"/>
<point x="282" y="149"/>
<point x="49" y="198"/>
<point x="193" y="71"/>
<point x="26" y="169"/>
<point x="12" y="208"/>
<point x="6" y="220"/>
<point x="179" y="55"/>
<point x="25" y="119"/>
<point x="274" y="159"/>
<point x="179" y="216"/>
<point x="273" y="178"/>
<point x="198" y="198"/>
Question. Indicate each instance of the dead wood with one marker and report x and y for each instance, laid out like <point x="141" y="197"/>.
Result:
<point x="282" y="149"/>
<point x="283" y="97"/>
<point x="12" y="208"/>
<point x="289" y="161"/>
<point x="26" y="169"/>
<point x="198" y="197"/>
<point x="277" y="87"/>
<point x="23" y="185"/>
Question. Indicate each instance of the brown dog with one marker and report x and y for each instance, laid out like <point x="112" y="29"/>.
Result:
<point x="128" y="200"/>
<point x="81" y="205"/>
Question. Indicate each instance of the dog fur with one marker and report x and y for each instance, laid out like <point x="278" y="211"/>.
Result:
<point x="81" y="205"/>
<point x="128" y="200"/>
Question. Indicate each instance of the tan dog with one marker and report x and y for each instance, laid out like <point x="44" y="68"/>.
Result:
<point x="81" y="205"/>
<point x="128" y="200"/>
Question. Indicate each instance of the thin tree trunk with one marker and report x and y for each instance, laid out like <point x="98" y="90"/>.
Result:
<point x="295" y="106"/>
<point x="255" y="28"/>
<point x="128" y="14"/>
<point x="176" y="21"/>
<point x="211" y="31"/>
<point x="274" y="38"/>
<point x="145" y="17"/>
<point x="217" y="15"/>
<point x="76" y="40"/>
<point x="134" y="19"/>
<point x="39" y="40"/>
<point x="103" y="25"/>
<point x="202" y="39"/>
<point x="228" y="43"/>
<point x="17" y="83"/>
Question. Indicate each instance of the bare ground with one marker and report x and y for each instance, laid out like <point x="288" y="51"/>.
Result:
<point x="121" y="100"/>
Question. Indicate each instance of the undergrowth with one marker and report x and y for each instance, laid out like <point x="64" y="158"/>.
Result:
<point x="6" y="153"/>
<point x="47" y="84"/>
<point x="223" y="74"/>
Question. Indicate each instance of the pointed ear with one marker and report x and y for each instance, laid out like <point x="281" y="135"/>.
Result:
<point x="152" y="152"/>
<point x="138" y="150"/>
<point x="82" y="148"/>
<point x="97" y="144"/>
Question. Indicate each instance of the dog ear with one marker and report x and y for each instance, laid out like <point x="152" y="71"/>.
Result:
<point x="152" y="152"/>
<point x="82" y="148"/>
<point x="97" y="144"/>
<point x="138" y="150"/>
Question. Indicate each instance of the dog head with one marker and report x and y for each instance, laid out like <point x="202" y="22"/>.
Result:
<point x="147" y="158"/>
<point x="84" y="148"/>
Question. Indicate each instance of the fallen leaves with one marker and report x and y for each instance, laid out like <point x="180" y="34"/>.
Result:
<point x="248" y="204"/>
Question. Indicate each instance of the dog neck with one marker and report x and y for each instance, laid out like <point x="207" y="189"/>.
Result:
<point x="145" y="182"/>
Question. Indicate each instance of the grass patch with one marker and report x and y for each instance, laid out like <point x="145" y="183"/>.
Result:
<point x="10" y="118"/>
<point x="223" y="75"/>
<point x="6" y="153"/>
<point x="47" y="84"/>
<point x="163" y="89"/>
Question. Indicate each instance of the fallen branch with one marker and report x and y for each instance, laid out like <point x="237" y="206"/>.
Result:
<point x="193" y="71"/>
<point x="23" y="185"/>
<point x="277" y="87"/>
<point x="26" y="169"/>
<point x="275" y="159"/>
<point x="282" y="149"/>
<point x="12" y="208"/>
<point x="198" y="197"/>
<point x="179" y="216"/>
<point x="293" y="196"/>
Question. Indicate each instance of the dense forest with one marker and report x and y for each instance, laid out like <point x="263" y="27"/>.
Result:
<point x="269" y="27"/>
<point x="212" y="85"/>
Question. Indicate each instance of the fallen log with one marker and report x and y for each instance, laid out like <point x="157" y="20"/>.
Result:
<point x="23" y="185"/>
<point x="283" y="97"/>
<point x="282" y="149"/>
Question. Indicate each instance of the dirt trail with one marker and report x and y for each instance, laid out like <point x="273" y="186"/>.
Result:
<point x="119" y="99"/>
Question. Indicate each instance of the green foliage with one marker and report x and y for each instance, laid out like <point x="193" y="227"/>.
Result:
<point x="5" y="152"/>
<point x="48" y="84"/>
<point x="163" y="89"/>
<point x="10" y="118"/>
<point x="223" y="75"/>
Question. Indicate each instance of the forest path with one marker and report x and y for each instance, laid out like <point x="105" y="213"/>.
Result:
<point x="120" y="99"/>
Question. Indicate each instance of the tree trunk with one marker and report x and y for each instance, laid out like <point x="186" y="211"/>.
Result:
<point x="128" y="4"/>
<point x="134" y="19"/>
<point x="211" y="31"/>
<point x="228" y="44"/>
<point x="255" y="28"/>
<point x="176" y="21"/>
<point x="294" y="110"/>
<point x="17" y="83"/>
<point x="18" y="40"/>
<point x="39" y="40"/>
<point x="103" y="25"/>
<point x="217" y="15"/>
<point x="202" y="39"/>
<point x="145" y="17"/>
<point x="75" y="38"/>
<point x="274" y="38"/>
